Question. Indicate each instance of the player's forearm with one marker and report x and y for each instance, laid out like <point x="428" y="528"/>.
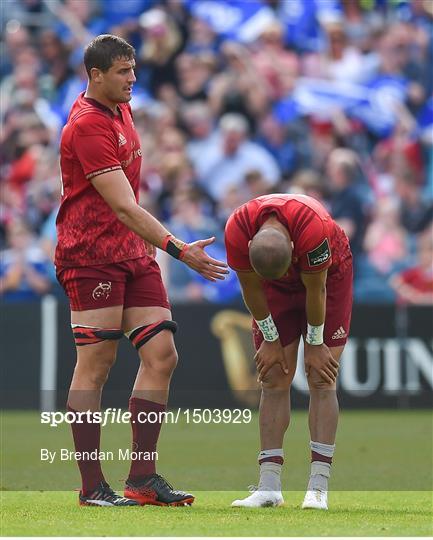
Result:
<point x="256" y="303"/>
<point x="315" y="305"/>
<point x="144" y="224"/>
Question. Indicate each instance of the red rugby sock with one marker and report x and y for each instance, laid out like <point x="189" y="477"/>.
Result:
<point x="87" y="437"/>
<point x="315" y="456"/>
<point x="144" y="435"/>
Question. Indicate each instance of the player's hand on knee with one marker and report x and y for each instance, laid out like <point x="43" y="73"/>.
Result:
<point x="196" y="258"/>
<point x="269" y="354"/>
<point x="320" y="358"/>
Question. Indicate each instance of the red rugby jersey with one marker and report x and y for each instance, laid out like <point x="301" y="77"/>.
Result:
<point x="318" y="242"/>
<point x="95" y="141"/>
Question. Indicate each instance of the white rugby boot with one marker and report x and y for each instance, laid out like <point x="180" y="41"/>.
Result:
<point x="317" y="490"/>
<point x="260" y="498"/>
<point x="316" y="499"/>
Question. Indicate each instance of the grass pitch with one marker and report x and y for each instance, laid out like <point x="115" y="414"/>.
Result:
<point x="376" y="451"/>
<point x="351" y="514"/>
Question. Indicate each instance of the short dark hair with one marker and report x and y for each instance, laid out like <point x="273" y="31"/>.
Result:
<point x="104" y="49"/>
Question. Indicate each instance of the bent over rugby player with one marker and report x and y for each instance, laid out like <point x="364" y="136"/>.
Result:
<point x="104" y="261"/>
<point x="295" y="268"/>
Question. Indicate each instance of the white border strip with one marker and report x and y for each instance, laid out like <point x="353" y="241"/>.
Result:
<point x="48" y="385"/>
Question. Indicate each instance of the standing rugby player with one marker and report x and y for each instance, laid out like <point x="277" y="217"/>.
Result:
<point x="104" y="261"/>
<point x="295" y="268"/>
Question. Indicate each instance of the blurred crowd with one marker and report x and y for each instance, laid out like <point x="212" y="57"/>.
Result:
<point x="234" y="99"/>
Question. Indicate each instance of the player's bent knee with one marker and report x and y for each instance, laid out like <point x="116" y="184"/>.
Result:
<point x="315" y="382"/>
<point x="95" y="366"/>
<point x="98" y="378"/>
<point x="142" y="334"/>
<point x="163" y="363"/>
<point x="275" y="379"/>
<point x="89" y="335"/>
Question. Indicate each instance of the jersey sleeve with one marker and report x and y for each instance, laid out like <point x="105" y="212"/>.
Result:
<point x="236" y="241"/>
<point x="96" y="146"/>
<point x="314" y="247"/>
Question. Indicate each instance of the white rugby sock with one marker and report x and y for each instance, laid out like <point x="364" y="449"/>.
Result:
<point x="319" y="476"/>
<point x="320" y="470"/>
<point x="270" y="471"/>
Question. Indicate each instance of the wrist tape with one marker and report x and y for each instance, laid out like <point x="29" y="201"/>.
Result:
<point x="174" y="247"/>
<point x="314" y="334"/>
<point x="268" y="328"/>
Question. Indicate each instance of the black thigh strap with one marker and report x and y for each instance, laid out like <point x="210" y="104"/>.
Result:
<point x="141" y="335"/>
<point x="85" y="335"/>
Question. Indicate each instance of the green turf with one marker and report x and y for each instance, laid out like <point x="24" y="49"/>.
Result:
<point x="376" y="451"/>
<point x="351" y="514"/>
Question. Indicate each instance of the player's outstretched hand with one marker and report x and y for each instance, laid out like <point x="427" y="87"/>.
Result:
<point x="196" y="258"/>
<point x="269" y="354"/>
<point x="320" y="358"/>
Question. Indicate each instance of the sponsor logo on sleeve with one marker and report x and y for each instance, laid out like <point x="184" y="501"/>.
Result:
<point x="319" y="255"/>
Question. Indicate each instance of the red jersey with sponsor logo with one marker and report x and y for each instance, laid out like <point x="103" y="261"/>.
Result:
<point x="95" y="141"/>
<point x="318" y="242"/>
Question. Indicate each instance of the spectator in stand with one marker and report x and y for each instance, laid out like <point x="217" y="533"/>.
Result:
<point x="415" y="285"/>
<point x="399" y="58"/>
<point x="415" y="212"/>
<point x="396" y="66"/>
<point x="55" y="56"/>
<point x="16" y="39"/>
<point x="347" y="205"/>
<point x="308" y="182"/>
<point x="194" y="72"/>
<point x="23" y="266"/>
<point x="11" y="208"/>
<point x="255" y="185"/>
<point x="231" y="200"/>
<point x="226" y="163"/>
<point x="385" y="241"/>
<point x="401" y="151"/>
<point x="42" y="193"/>
<point x="237" y="89"/>
<point x="272" y="61"/>
<point x="360" y="22"/>
<point x="199" y="123"/>
<point x="201" y="37"/>
<point x="285" y="137"/>
<point x="162" y="42"/>
<point x="340" y="61"/>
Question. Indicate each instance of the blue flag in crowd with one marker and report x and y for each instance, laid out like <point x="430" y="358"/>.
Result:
<point x="233" y="19"/>
<point x="374" y="104"/>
